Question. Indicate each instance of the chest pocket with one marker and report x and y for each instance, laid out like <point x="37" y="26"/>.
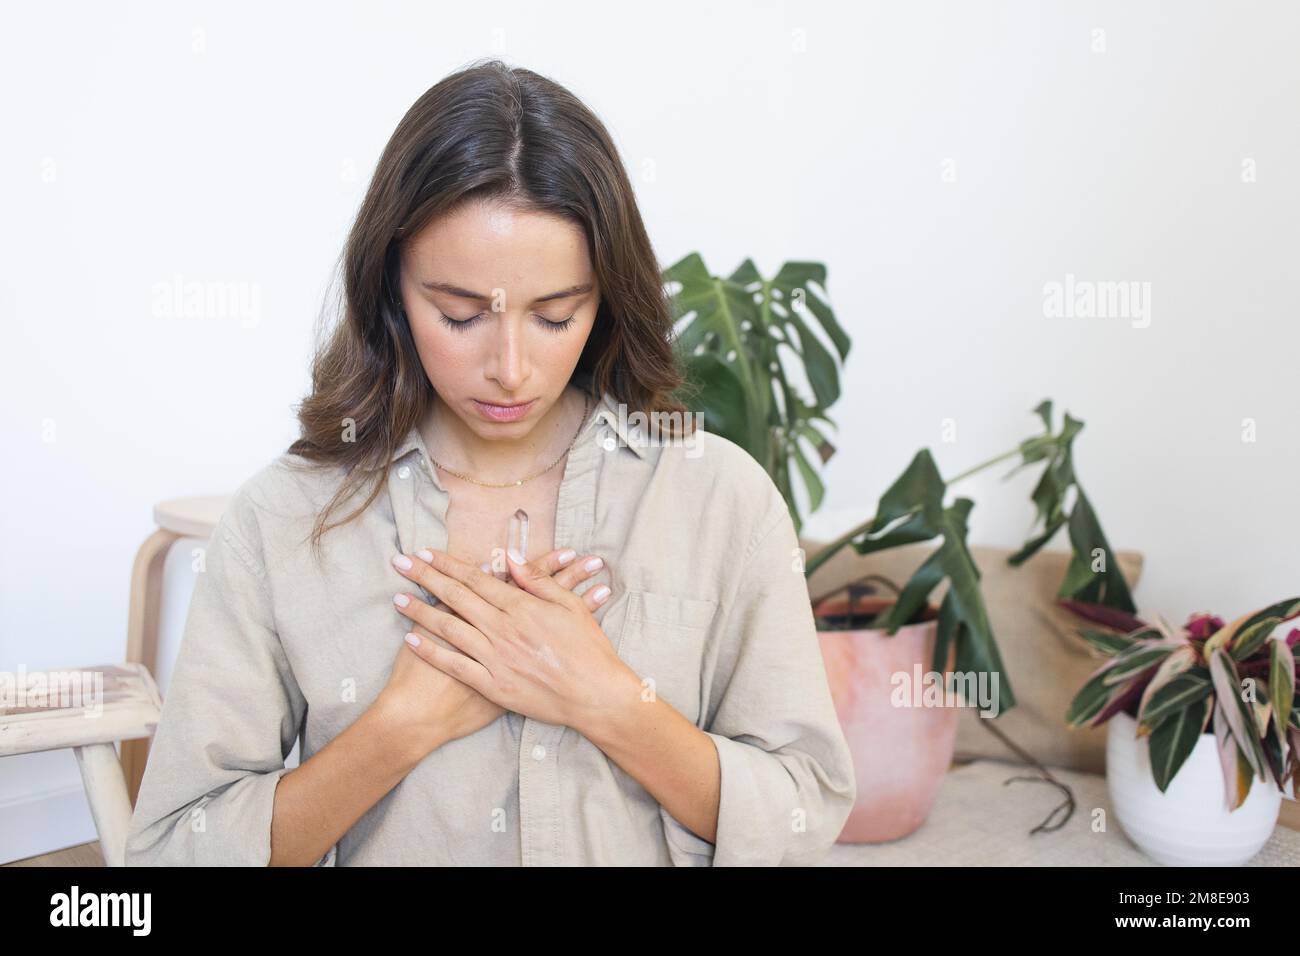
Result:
<point x="662" y="640"/>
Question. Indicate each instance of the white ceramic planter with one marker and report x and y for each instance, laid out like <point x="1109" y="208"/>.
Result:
<point x="1189" y="824"/>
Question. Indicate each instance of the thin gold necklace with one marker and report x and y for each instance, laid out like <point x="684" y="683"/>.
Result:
<point x="586" y="407"/>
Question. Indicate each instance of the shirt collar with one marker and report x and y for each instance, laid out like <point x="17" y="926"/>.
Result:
<point x="628" y="436"/>
<point x="607" y="411"/>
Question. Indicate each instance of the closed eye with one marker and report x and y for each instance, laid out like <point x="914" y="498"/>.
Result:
<point x="461" y="325"/>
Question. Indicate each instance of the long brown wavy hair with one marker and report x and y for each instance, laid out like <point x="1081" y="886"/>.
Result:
<point x="489" y="131"/>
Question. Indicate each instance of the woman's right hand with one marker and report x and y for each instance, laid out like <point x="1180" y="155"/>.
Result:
<point x="431" y="707"/>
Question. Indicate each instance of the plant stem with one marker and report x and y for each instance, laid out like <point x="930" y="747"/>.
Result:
<point x="988" y="464"/>
<point x="828" y="552"/>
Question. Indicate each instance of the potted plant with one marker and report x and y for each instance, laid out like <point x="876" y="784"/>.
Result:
<point x="956" y="643"/>
<point x="735" y="337"/>
<point x="902" y="744"/>
<point x="1204" y="731"/>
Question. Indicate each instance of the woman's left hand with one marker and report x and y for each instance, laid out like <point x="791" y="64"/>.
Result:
<point x="535" y="649"/>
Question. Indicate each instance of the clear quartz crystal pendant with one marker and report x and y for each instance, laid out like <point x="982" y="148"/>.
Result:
<point x="517" y="542"/>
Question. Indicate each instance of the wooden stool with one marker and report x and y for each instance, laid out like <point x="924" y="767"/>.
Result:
<point x="177" y="518"/>
<point x="112" y="702"/>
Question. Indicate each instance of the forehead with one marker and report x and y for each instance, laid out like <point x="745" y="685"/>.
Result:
<point x="485" y="244"/>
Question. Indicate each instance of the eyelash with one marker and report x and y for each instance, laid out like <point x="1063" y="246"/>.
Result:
<point x="460" y="325"/>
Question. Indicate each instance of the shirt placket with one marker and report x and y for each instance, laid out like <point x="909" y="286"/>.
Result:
<point x="419" y="511"/>
<point x="421" y="518"/>
<point x="541" y="813"/>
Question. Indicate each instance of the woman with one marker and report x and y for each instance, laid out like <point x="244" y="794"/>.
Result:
<point x="505" y="322"/>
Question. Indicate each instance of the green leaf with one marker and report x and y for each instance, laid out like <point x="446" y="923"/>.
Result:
<point x="1134" y="661"/>
<point x="1110" y="642"/>
<point x="816" y="490"/>
<point x="1274" y="747"/>
<point x="1071" y="428"/>
<point x="1089" y="701"/>
<point x="1173" y="740"/>
<point x="820" y="367"/>
<point x="735" y="374"/>
<point x="912" y="509"/>
<point x="911" y="531"/>
<point x="1262" y="712"/>
<point x="1177" y="662"/>
<point x="1285" y="610"/>
<point x="949" y="633"/>
<point x="1044" y="411"/>
<point x="918" y="490"/>
<point x="928" y="576"/>
<point x="1104" y="586"/>
<point x="798" y="275"/>
<point x="1241" y="722"/>
<point x="977" y="652"/>
<point x="720" y="307"/>
<point x="1252" y="637"/>
<point x="915" y="592"/>
<point x="1032" y="546"/>
<point x="1281" y="681"/>
<point x="724" y="404"/>
<point x="1183" y="690"/>
<point x="1233" y="632"/>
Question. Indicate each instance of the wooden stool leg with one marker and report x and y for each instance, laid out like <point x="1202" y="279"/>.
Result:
<point x="106" y="793"/>
<point x="142" y="637"/>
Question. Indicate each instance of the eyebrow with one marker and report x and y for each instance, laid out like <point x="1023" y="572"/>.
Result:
<point x="460" y="293"/>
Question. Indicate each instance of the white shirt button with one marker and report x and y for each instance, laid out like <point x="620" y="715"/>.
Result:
<point x="404" y="472"/>
<point x="539" y="752"/>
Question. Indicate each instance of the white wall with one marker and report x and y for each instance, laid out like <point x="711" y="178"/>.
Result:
<point x="232" y="144"/>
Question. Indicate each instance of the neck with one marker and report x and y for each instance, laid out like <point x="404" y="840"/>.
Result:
<point x="455" y="445"/>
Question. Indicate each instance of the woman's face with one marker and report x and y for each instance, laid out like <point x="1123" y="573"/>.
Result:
<point x="500" y="303"/>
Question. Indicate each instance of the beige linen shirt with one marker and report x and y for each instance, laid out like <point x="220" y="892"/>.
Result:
<point x="708" y="600"/>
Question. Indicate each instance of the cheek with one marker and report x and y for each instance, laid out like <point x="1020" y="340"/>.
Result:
<point x="434" y="340"/>
<point x="558" y="348"/>
<point x="566" y="347"/>
<point x="445" y="353"/>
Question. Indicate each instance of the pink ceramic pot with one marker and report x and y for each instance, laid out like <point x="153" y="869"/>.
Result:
<point x="900" y="753"/>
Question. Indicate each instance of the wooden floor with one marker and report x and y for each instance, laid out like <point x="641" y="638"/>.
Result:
<point x="84" y="854"/>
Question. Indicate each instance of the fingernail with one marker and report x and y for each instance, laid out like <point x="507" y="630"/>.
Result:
<point x="424" y="554"/>
<point x="413" y="640"/>
<point x="594" y="564"/>
<point x="402" y="561"/>
<point x="600" y="593"/>
<point x="567" y="555"/>
<point x="401" y="600"/>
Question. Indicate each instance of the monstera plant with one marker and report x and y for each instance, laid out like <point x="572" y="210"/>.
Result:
<point x="739" y="329"/>
<point x="734" y="336"/>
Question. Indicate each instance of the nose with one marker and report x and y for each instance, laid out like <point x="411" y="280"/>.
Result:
<point x="509" y="365"/>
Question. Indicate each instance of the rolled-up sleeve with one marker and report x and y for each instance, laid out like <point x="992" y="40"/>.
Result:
<point x="231" y="715"/>
<point x="787" y="773"/>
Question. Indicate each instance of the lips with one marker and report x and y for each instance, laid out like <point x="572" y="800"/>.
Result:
<point x="503" y="413"/>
